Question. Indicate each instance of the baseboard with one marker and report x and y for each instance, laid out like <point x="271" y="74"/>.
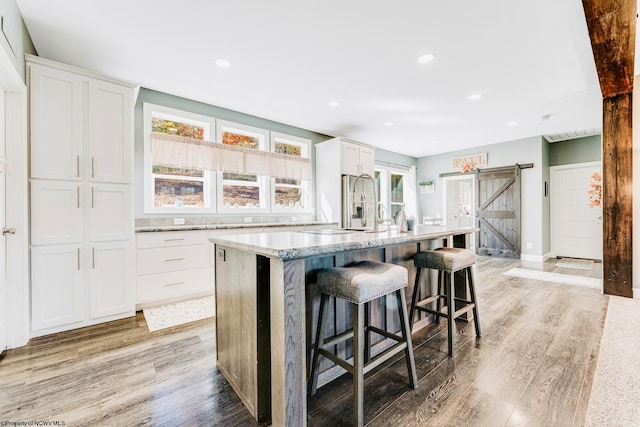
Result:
<point x="536" y="258"/>
<point x="636" y="293"/>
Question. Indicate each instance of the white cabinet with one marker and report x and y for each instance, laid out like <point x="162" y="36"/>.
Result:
<point x="56" y="115"/>
<point x="110" y="124"/>
<point x="110" y="212"/>
<point x="56" y="212"/>
<point x="81" y="154"/>
<point x="334" y="158"/>
<point x="57" y="288"/>
<point x="357" y="159"/>
<point x="111" y="278"/>
<point x="172" y="266"/>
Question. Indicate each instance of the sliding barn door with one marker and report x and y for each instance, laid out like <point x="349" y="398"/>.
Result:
<point x="498" y="213"/>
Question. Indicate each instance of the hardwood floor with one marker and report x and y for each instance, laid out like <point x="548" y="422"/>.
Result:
<point x="532" y="366"/>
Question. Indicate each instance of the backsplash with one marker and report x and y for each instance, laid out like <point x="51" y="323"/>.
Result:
<point x="227" y="219"/>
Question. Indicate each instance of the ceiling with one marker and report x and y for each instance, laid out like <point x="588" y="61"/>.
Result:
<point x="530" y="60"/>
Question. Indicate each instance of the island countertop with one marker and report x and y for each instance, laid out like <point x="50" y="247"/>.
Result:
<point x="288" y="245"/>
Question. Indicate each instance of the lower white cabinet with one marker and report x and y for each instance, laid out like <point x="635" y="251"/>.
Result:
<point x="111" y="278"/>
<point x="80" y="285"/>
<point x="172" y="266"/>
<point x="57" y="286"/>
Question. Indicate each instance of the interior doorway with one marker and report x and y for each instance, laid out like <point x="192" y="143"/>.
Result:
<point x="576" y="224"/>
<point x="459" y="202"/>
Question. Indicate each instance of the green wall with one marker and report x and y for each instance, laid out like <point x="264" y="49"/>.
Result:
<point x="23" y="44"/>
<point x="581" y="150"/>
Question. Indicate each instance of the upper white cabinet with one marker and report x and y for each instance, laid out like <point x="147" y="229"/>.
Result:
<point x="81" y="154"/>
<point x="110" y="132"/>
<point x="334" y="158"/>
<point x="357" y="159"/>
<point x="57" y="114"/>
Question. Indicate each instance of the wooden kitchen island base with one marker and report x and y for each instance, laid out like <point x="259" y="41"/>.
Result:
<point x="267" y="306"/>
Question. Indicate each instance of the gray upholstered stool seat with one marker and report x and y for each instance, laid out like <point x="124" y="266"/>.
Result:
<point x="362" y="282"/>
<point x="359" y="284"/>
<point x="447" y="261"/>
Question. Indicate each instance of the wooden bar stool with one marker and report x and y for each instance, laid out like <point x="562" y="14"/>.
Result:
<point x="359" y="284"/>
<point x="447" y="261"/>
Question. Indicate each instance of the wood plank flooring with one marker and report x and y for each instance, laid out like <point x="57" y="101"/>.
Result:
<point x="533" y="366"/>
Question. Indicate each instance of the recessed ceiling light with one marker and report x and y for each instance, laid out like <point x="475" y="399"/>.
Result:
<point x="546" y="117"/>
<point x="388" y="124"/>
<point x="333" y="103"/>
<point x="426" y="58"/>
<point x="223" y="63"/>
<point x="511" y="124"/>
<point x="475" y="96"/>
<point x="435" y="141"/>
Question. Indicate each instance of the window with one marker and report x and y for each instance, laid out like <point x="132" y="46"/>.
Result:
<point x="238" y="190"/>
<point x="290" y="194"/>
<point x="225" y="180"/>
<point x="175" y="188"/>
<point x="396" y="187"/>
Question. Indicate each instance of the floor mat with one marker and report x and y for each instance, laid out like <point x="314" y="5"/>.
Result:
<point x="565" y="279"/>
<point x="178" y="313"/>
<point x="581" y="264"/>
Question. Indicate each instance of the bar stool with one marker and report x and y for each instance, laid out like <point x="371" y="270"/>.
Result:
<point x="447" y="261"/>
<point x="359" y="284"/>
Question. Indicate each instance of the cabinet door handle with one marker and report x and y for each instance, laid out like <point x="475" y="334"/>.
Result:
<point x="78" y="165"/>
<point x="93" y="191"/>
<point x="78" y="196"/>
<point x="93" y="167"/>
<point x="78" y="259"/>
<point x="93" y="257"/>
<point x="173" y="240"/>
<point x="174" y="259"/>
<point x="174" y="284"/>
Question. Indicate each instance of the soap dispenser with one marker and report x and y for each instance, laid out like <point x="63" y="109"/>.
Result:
<point x="402" y="221"/>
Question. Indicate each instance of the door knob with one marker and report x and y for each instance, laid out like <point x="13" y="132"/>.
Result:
<point x="6" y="231"/>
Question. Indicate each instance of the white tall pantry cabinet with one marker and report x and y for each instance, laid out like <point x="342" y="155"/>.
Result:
<point x="81" y="169"/>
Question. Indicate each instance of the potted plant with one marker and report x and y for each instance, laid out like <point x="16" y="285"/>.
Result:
<point x="427" y="186"/>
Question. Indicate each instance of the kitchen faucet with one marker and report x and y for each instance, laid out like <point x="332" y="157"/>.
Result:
<point x="363" y="200"/>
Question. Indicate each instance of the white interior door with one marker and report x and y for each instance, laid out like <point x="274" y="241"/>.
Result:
<point x="3" y="245"/>
<point x="576" y="228"/>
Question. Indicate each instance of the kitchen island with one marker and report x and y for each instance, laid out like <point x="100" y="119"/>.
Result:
<point x="266" y="305"/>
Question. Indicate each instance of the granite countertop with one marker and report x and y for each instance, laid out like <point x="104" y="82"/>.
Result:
<point x="188" y="227"/>
<point x="301" y="244"/>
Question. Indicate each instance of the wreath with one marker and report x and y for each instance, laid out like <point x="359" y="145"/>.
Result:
<point x="594" y="191"/>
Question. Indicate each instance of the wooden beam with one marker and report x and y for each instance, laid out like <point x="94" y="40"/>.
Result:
<point x="617" y="141"/>
<point x="612" y="29"/>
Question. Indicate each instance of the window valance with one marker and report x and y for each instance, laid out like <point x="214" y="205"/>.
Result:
<point x="172" y="151"/>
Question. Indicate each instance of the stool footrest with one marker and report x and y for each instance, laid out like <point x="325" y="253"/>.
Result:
<point x="335" y="359"/>
<point x="385" y="333"/>
<point x="337" y="339"/>
<point x="463" y="310"/>
<point x="384" y="356"/>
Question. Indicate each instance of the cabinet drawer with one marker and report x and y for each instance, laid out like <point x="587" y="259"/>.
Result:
<point x="171" y="238"/>
<point x="161" y="260"/>
<point x="174" y="284"/>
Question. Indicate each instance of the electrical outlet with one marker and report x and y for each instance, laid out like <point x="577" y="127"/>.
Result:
<point x="248" y="219"/>
<point x="529" y="245"/>
<point x="178" y="221"/>
<point x="294" y="219"/>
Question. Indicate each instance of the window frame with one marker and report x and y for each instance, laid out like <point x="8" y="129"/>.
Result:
<point x="263" y="182"/>
<point x="149" y="111"/>
<point x="305" y="186"/>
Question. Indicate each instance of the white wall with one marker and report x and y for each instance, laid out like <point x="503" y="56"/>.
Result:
<point x="534" y="206"/>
